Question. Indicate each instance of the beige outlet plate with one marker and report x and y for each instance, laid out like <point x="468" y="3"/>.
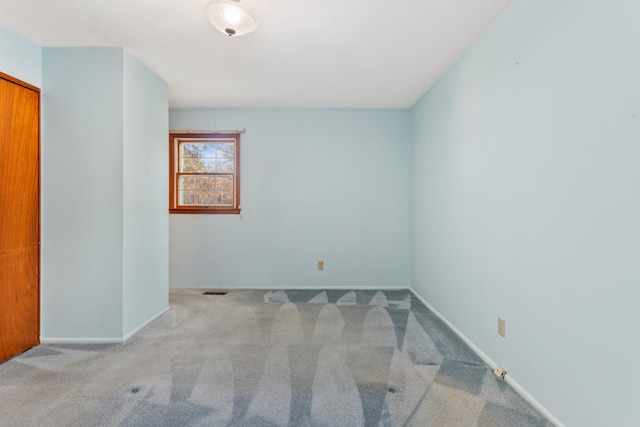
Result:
<point x="501" y="326"/>
<point x="320" y="265"/>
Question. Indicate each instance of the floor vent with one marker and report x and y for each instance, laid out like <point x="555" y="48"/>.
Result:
<point x="215" y="293"/>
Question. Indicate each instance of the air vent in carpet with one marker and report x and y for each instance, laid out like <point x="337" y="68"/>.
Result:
<point x="214" y="293"/>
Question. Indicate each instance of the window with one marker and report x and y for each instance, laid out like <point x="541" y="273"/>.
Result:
<point x="204" y="173"/>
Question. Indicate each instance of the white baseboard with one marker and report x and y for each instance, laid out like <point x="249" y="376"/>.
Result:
<point x="509" y="379"/>
<point x="298" y="288"/>
<point x="102" y="340"/>
<point x="80" y="340"/>
<point x="139" y="328"/>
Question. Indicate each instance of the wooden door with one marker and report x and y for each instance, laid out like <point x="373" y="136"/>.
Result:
<point x="19" y="216"/>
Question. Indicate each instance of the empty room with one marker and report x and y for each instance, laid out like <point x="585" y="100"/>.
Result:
<point x="281" y="213"/>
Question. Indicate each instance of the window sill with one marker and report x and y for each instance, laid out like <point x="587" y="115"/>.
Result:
<point x="229" y="211"/>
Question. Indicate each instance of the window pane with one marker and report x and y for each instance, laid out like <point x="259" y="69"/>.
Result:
<point x="207" y="165"/>
<point x="224" y="184"/>
<point x="206" y="186"/>
<point x="187" y="198"/>
<point x="187" y="182"/>
<point x="225" y="157"/>
<point x="189" y="150"/>
<point x="187" y="192"/>
<point x="226" y="150"/>
<point x="208" y="150"/>
<point x="224" y="191"/>
<point x="224" y="165"/>
<point x="190" y="164"/>
<point x="206" y="183"/>
<point x="205" y="190"/>
<point x="207" y="157"/>
<point x="224" y="198"/>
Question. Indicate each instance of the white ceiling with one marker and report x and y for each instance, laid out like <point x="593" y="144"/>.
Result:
<point x="329" y="53"/>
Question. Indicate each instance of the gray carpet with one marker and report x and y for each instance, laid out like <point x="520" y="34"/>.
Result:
<point x="267" y="358"/>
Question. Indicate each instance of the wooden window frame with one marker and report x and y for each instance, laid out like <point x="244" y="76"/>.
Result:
<point x="174" y="208"/>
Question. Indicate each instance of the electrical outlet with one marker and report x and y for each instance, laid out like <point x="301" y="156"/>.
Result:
<point x="501" y="326"/>
<point x="320" y="265"/>
<point x="500" y="372"/>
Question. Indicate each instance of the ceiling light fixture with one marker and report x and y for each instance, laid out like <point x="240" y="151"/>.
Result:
<point x="230" y="18"/>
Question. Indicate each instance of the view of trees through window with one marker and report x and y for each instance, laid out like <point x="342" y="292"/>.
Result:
<point x="206" y="173"/>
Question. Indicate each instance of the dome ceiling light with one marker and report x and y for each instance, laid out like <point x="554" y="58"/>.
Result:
<point x="230" y="18"/>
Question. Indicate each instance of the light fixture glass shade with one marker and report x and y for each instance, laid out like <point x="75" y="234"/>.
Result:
<point x="230" y="18"/>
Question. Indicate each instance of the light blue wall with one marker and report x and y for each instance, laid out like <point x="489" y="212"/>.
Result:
<point x="82" y="179"/>
<point x="20" y="57"/>
<point x="104" y="193"/>
<point x="526" y="203"/>
<point x="146" y="220"/>
<point x="330" y="185"/>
